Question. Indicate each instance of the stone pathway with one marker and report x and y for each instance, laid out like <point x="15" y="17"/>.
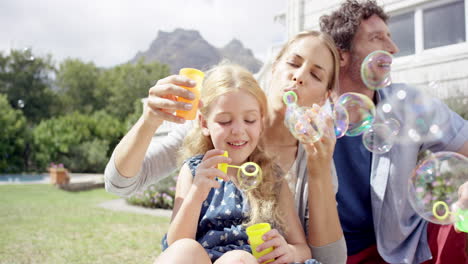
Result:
<point x="122" y="205"/>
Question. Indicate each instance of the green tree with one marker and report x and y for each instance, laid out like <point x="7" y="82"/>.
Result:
<point x="121" y="86"/>
<point x="82" y="143"/>
<point x="77" y="83"/>
<point x="12" y="137"/>
<point x="26" y="80"/>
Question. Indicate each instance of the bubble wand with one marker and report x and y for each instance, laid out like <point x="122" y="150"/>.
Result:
<point x="460" y="214"/>
<point x="249" y="174"/>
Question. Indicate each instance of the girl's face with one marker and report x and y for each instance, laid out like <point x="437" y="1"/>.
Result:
<point x="305" y="68"/>
<point x="234" y="123"/>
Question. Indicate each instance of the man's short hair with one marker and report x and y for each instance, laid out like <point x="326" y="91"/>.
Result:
<point x="343" y="23"/>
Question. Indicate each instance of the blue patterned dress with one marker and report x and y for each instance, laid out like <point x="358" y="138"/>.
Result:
<point x="220" y="225"/>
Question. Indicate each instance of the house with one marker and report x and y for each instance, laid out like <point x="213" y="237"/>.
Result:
<point x="431" y="35"/>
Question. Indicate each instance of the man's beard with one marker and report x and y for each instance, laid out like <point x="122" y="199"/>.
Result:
<point x="354" y="71"/>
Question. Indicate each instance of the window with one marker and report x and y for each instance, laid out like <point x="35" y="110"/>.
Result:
<point x="402" y="30"/>
<point x="444" y="25"/>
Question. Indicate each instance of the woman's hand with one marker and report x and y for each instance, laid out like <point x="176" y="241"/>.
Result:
<point x="320" y="153"/>
<point x="206" y="173"/>
<point x="162" y="104"/>
<point x="282" y="251"/>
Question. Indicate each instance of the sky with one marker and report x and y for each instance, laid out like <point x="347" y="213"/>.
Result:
<point x="110" y="32"/>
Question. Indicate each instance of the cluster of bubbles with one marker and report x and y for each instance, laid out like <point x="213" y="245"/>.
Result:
<point x="434" y="184"/>
<point x="307" y="124"/>
<point x="352" y="115"/>
<point x="401" y="117"/>
<point x="379" y="135"/>
<point x="303" y="122"/>
<point x="422" y="122"/>
<point x="433" y="188"/>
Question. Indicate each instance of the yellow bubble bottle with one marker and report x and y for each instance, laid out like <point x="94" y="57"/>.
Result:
<point x="255" y="233"/>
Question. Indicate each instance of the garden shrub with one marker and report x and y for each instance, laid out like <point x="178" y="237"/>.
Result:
<point x="158" y="195"/>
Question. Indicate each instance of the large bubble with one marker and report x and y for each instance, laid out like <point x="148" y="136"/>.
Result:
<point x="415" y="116"/>
<point x="249" y="176"/>
<point x="339" y="116"/>
<point x="433" y="187"/>
<point x="376" y="68"/>
<point x="379" y="138"/>
<point x="341" y="120"/>
<point x="361" y="112"/>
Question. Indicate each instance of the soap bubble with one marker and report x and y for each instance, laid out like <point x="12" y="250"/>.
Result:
<point x="393" y="125"/>
<point x="339" y="116"/>
<point x="375" y="70"/>
<point x="361" y="112"/>
<point x="249" y="175"/>
<point x="433" y="186"/>
<point x="340" y="120"/>
<point x="28" y="53"/>
<point x="378" y="139"/>
<point x="417" y="115"/>
<point x="20" y="103"/>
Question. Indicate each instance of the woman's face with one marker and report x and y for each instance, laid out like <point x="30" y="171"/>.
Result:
<point x="305" y="68"/>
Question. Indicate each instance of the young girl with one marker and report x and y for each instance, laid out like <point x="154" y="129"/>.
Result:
<point x="216" y="212"/>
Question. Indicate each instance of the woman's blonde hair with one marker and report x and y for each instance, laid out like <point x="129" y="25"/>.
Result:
<point x="328" y="42"/>
<point x="263" y="199"/>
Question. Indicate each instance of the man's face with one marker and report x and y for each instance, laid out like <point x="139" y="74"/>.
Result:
<point x="372" y="34"/>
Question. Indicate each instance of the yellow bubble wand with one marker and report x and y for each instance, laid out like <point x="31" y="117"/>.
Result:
<point x="248" y="169"/>
<point x="461" y="215"/>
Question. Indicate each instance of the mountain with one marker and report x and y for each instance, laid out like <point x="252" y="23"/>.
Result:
<point x="235" y="52"/>
<point x="187" y="48"/>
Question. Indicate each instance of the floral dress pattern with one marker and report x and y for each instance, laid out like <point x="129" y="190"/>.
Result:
<point x="220" y="225"/>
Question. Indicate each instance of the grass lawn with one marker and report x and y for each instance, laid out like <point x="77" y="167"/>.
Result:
<point x="40" y="223"/>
